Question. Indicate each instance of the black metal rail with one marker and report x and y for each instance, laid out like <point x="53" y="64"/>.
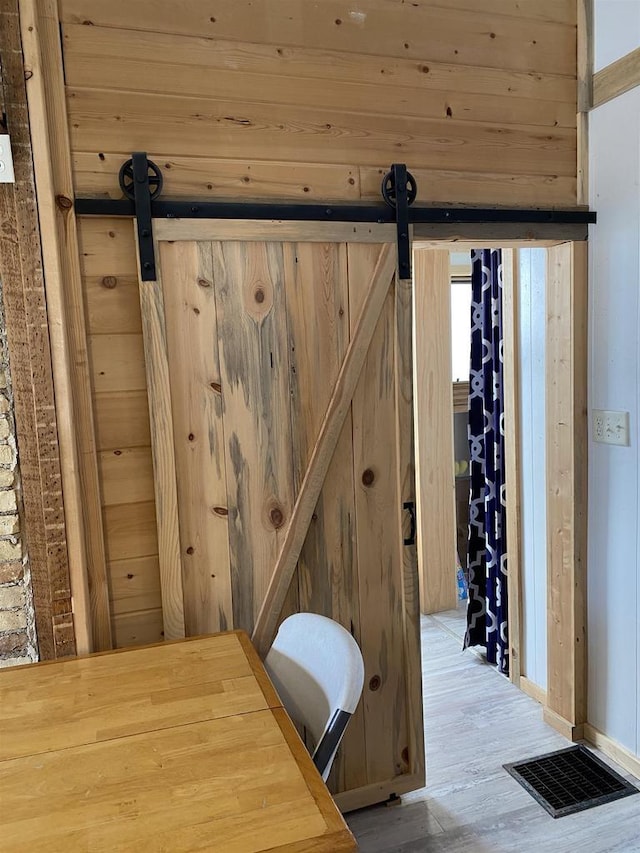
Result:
<point x="141" y="182"/>
<point x="329" y="212"/>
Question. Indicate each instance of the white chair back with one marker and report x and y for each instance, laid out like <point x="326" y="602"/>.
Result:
<point x="317" y="669"/>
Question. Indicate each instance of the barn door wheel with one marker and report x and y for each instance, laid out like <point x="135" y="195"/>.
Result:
<point x="388" y="189"/>
<point x="127" y="184"/>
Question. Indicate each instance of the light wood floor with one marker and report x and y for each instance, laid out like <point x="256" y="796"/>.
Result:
<point x="476" y="721"/>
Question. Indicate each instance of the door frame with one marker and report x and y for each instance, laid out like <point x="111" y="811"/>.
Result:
<point x="565" y="700"/>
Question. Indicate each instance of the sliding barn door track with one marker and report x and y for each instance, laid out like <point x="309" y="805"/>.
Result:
<point x="141" y="184"/>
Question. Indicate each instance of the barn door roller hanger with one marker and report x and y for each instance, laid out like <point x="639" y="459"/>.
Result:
<point x="141" y="184"/>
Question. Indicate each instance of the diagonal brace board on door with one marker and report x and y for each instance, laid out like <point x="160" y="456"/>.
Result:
<point x="322" y="452"/>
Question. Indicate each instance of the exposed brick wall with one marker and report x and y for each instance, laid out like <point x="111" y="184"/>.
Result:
<point x="17" y="617"/>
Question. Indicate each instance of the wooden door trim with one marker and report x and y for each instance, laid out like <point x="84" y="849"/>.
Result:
<point x="466" y="244"/>
<point x="435" y="489"/>
<point x="567" y="444"/>
<point x="32" y="339"/>
<point x="67" y="327"/>
<point x="513" y="474"/>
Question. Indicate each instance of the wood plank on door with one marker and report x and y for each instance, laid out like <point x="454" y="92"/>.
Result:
<point x="196" y="400"/>
<point x="254" y="369"/>
<point x="378" y="535"/>
<point x="327" y="576"/>
<point x="332" y="422"/>
<point x="406" y="472"/>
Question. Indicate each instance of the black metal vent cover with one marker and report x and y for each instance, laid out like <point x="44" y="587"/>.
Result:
<point x="570" y="780"/>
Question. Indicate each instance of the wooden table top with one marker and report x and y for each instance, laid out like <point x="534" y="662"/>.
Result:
<point x="176" y="747"/>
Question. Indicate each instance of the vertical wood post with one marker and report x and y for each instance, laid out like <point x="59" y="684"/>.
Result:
<point x="584" y="95"/>
<point x="436" y="511"/>
<point x="566" y="439"/>
<point x="511" y="314"/>
<point x="407" y="488"/>
<point x="65" y="298"/>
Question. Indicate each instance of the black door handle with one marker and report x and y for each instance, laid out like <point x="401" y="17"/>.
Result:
<point x="411" y="509"/>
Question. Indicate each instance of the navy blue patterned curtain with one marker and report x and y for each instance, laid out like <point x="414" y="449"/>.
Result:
<point x="487" y="608"/>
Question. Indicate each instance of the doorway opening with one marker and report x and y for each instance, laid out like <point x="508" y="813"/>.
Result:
<point x="544" y="356"/>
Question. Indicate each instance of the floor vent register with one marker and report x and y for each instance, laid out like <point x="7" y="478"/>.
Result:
<point x="570" y="780"/>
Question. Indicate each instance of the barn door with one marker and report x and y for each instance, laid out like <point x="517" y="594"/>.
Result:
<point x="279" y="375"/>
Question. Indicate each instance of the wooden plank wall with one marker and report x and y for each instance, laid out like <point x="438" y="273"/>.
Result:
<point x="247" y="98"/>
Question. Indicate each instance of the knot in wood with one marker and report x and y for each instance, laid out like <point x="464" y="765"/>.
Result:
<point x="204" y="283"/>
<point x="259" y="295"/>
<point x="109" y="281"/>
<point x="277" y="517"/>
<point x="368" y="477"/>
<point x="375" y="682"/>
<point x="190" y="549"/>
<point x="63" y="202"/>
<point x="222" y="511"/>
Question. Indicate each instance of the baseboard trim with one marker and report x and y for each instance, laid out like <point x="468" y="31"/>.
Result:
<point x="614" y="750"/>
<point x="571" y="731"/>
<point x="533" y="690"/>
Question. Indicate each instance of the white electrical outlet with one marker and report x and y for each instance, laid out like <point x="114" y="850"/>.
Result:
<point x="6" y="160"/>
<point x="610" y="427"/>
